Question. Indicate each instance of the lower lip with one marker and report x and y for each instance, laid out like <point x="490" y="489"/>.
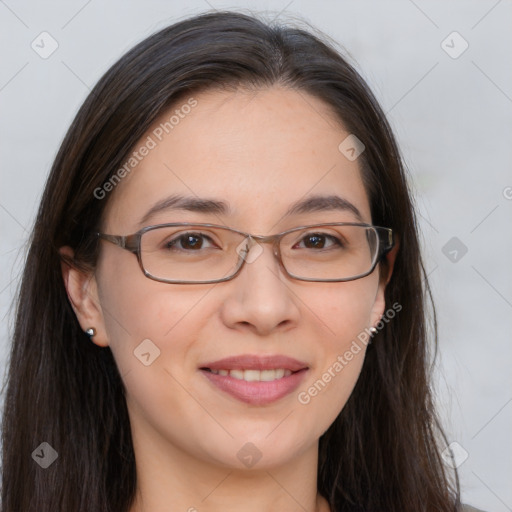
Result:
<point x="256" y="393"/>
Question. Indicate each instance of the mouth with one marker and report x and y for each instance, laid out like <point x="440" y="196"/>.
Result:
<point x="253" y="379"/>
<point x="253" y="375"/>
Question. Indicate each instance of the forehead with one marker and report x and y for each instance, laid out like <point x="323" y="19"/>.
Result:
<point x="257" y="151"/>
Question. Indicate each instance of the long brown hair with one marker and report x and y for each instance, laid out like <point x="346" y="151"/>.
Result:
<point x="383" y="450"/>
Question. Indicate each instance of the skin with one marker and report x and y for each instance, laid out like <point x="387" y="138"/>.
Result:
<point x="260" y="151"/>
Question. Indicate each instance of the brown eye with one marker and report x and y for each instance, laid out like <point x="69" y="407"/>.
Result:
<point x="319" y="240"/>
<point x="188" y="241"/>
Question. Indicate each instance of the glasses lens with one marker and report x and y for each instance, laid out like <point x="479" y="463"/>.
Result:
<point x="330" y="252"/>
<point x="190" y="253"/>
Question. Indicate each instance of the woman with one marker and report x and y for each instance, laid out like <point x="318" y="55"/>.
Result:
<point x="264" y="344"/>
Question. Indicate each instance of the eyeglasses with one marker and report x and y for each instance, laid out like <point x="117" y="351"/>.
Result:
<point x="188" y="253"/>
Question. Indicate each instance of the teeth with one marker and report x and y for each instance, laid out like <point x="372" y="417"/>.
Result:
<point x="237" y="374"/>
<point x="254" y="375"/>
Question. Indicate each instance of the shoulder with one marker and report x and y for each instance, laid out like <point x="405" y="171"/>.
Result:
<point x="469" y="508"/>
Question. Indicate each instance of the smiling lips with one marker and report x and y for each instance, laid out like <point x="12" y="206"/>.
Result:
<point x="255" y="379"/>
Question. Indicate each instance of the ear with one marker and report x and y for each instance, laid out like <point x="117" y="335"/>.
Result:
<point x="386" y="271"/>
<point x="82" y="293"/>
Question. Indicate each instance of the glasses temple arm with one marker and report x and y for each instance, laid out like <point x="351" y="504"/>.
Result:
<point x="129" y="243"/>
<point x="386" y="241"/>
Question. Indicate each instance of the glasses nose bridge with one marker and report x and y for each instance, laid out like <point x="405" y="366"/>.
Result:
<point x="268" y="239"/>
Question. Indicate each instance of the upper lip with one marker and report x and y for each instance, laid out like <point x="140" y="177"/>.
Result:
<point x="256" y="362"/>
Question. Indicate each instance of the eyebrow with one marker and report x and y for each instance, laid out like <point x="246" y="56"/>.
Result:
<point x="310" y="204"/>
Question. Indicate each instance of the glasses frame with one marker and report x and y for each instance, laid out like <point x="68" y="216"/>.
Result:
<point x="132" y="243"/>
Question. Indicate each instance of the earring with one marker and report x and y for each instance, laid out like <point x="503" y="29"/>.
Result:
<point x="373" y="331"/>
<point x="91" y="332"/>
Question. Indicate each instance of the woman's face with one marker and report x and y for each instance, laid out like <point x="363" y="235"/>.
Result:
<point x="259" y="153"/>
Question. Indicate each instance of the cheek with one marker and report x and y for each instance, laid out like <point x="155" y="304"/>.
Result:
<point x="344" y="315"/>
<point x="142" y="315"/>
<point x="344" y="310"/>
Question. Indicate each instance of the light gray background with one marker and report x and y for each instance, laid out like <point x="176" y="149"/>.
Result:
<point x="453" y="121"/>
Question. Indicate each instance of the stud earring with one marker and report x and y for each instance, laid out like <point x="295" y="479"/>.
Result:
<point x="91" y="332"/>
<point x="373" y="331"/>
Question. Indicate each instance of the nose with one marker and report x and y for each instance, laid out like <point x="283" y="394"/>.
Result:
<point x="260" y="298"/>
